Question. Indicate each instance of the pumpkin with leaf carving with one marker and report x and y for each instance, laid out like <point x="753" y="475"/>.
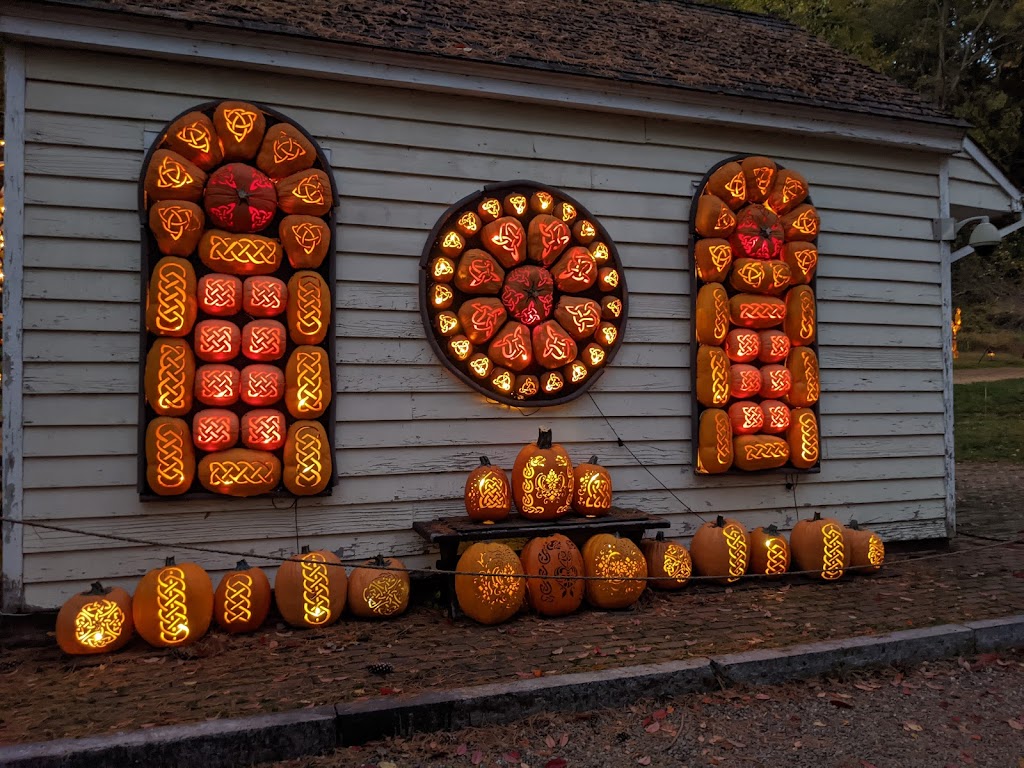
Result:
<point x="542" y="479"/>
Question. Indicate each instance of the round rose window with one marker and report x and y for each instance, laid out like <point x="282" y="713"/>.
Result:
<point x="522" y="294"/>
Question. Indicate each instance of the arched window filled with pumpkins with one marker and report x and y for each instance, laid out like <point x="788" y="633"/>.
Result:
<point x="238" y="295"/>
<point x="522" y="294"/>
<point x="753" y="242"/>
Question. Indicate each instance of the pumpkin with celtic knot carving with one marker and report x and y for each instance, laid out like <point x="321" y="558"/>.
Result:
<point x="97" y="621"/>
<point x="379" y="588"/>
<point x="543" y="479"/>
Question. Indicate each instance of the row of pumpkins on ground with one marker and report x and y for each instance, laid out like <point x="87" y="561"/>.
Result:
<point x="174" y="605"/>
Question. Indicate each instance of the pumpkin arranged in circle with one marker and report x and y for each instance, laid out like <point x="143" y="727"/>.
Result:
<point x="173" y="604"/>
<point x="378" y="589"/>
<point x="239" y="198"/>
<point x="497" y="592"/>
<point x="500" y="260"/>
<point x="97" y="621"/>
<point x="542" y="479"/>
<point x="242" y="600"/>
<point x="621" y="570"/>
<point x="556" y="560"/>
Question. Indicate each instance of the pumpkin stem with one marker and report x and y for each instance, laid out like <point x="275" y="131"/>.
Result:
<point x="593" y="460"/>
<point x="817" y="516"/>
<point x="169" y="562"/>
<point x="379" y="560"/>
<point x="98" y="589"/>
<point x="854" y="525"/>
<point x="241" y="565"/>
<point x="544" y="438"/>
<point x="772" y="529"/>
<point x="659" y="536"/>
<point x="484" y="461"/>
<point x="304" y="550"/>
<point x="720" y="522"/>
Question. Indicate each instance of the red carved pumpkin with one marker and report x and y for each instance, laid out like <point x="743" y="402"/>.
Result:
<point x="264" y="296"/>
<point x="480" y="319"/>
<point x="488" y="495"/>
<point x="479" y="273"/>
<point x="542" y="479"/>
<point x="217" y="384"/>
<point x="547" y="238"/>
<point x="744" y="381"/>
<point x="214" y="429"/>
<point x="819" y="546"/>
<point x="242" y="599"/>
<point x="217" y="341"/>
<point x="263" y="429"/>
<point x="775" y="346"/>
<point x="776" y="417"/>
<point x="240" y="199"/>
<point x="529" y="294"/>
<point x="551" y="557"/>
<point x="746" y="416"/>
<point x="668" y="562"/>
<point x="220" y="295"/>
<point x="720" y="549"/>
<point x="758" y="234"/>
<point x="742" y="345"/>
<point x="505" y="240"/>
<point x="263" y="340"/>
<point x="511" y="347"/>
<point x="552" y="346"/>
<point x="576" y="271"/>
<point x="261" y="385"/>
<point x="776" y="381"/>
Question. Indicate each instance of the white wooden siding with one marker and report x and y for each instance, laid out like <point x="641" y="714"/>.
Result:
<point x="407" y="430"/>
<point x="973" y="191"/>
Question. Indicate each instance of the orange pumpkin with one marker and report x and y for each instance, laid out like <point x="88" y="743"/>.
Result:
<point x="867" y="552"/>
<point x="552" y="346"/>
<point x="240" y="472"/>
<point x="576" y="271"/>
<point x="309" y="307"/>
<point x="512" y="347"/>
<point x="378" y="589"/>
<point x="171" y="299"/>
<point x="546" y="238"/>
<point x="177" y="226"/>
<point x="775" y="346"/>
<point x="776" y="381"/>
<point x="238" y="198"/>
<point x="542" y="479"/>
<point x="776" y="416"/>
<point x="239" y="254"/>
<point x="306" y="193"/>
<point x="487" y="495"/>
<point x="769" y="552"/>
<point x="263" y="429"/>
<point x="553" y="561"/>
<point x="801" y="316"/>
<point x="217" y="384"/>
<point x="744" y="381"/>
<point x="261" y="385"/>
<point x="621" y="570"/>
<point x="264" y="296"/>
<point x="804" y="439"/>
<point x="712" y="376"/>
<point x="802" y="258"/>
<point x="749" y="310"/>
<point x="264" y="340"/>
<point x="713" y="257"/>
<point x="217" y="341"/>
<point x="720" y="549"/>
<point x="742" y="345"/>
<point x="193" y="137"/>
<point x="819" y="546"/>
<point x="759" y="173"/>
<point x="480" y="319"/>
<point x="97" y="621"/>
<point x="308" y="382"/>
<point x="242" y="599"/>
<point x="311" y="588"/>
<point x="592" y="491"/>
<point x="756" y="276"/>
<point x="241" y="127"/>
<point x="307" y="458"/>
<point x="668" y="562"/>
<point x="714" y="442"/>
<point x="714" y="217"/>
<point x="581" y="317"/>
<point x="479" y="273"/>
<point x="712" y="315"/>
<point x="285" y="150"/>
<point x="803" y="367"/>
<point x="306" y="240"/>
<point x="801" y="223"/>
<point x="169" y="176"/>
<point x="496" y="596"/>
<point x="169" y="377"/>
<point x="754" y="452"/>
<point x="215" y="429"/>
<point x="746" y="417"/>
<point x="173" y="604"/>
<point x="790" y="189"/>
<point x="729" y="184"/>
<point x="170" y="459"/>
<point x="220" y="295"/>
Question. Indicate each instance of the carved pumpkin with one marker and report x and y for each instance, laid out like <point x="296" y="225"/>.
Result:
<point x="169" y="176"/>
<point x="621" y="569"/>
<point x="729" y="184"/>
<point x="377" y="592"/>
<point x="516" y="204"/>
<point x="489" y="209"/>
<point x="193" y="137"/>
<point x="309" y="307"/>
<point x="803" y="438"/>
<point x="551" y="557"/>
<point x="746" y="417"/>
<point x="714" y="442"/>
<point x="528" y="294"/>
<point x="712" y="315"/>
<point x="480" y="319"/>
<point x="769" y="552"/>
<point x="758" y="234"/>
<point x="744" y="381"/>
<point x="97" y="621"/>
<point x="173" y="605"/>
<point x="775" y="346"/>
<point x="441" y="296"/>
<point x="469" y="224"/>
<point x="177" y="226"/>
<point x="505" y="240"/>
<point x="749" y="310"/>
<point x="170" y="459"/>
<point x="742" y="345"/>
<point x="720" y="549"/>
<point x="488" y="495"/>
<point x="668" y="562"/>
<point x="607" y="279"/>
<point x="867" y="552"/>
<point x="542" y="479"/>
<point x="307" y="458"/>
<point x="264" y="296"/>
<point x="512" y="347"/>
<point x="526" y="386"/>
<point x="547" y="237"/>
<point x="802" y="258"/>
<point x="801" y="316"/>
<point x="306" y="240"/>
<point x="479" y="273"/>
<point x="818" y="545"/>
<point x="714" y="217"/>
<point x="552" y="346"/>
<point x="790" y="189"/>
<point x="306" y="193"/>
<point x="776" y="416"/>
<point x="239" y="254"/>
<point x="308" y="382"/>
<point x="285" y="150"/>
<point x="803" y="367"/>
<point x="261" y="384"/>
<point x="576" y="271"/>
<point x="754" y="452"/>
<point x="240" y="199"/>
<point x="171" y="299"/>
<point x="584" y="231"/>
<point x="217" y="341"/>
<point x="712" y="376"/>
<point x="760" y="175"/>
<point x="240" y="472"/>
<point x="713" y="257"/>
<point x="220" y="295"/>
<point x="757" y="276"/>
<point x="311" y="588"/>
<point x="592" y="492"/>
<point x="217" y="384"/>
<point x="451" y="243"/>
<point x="776" y="381"/>
<point x="242" y="599"/>
<point x="580" y="317"/>
<point x="215" y="429"/>
<point x="801" y="223"/>
<point x="241" y="127"/>
<point x="447" y="323"/>
<point x="263" y="429"/>
<point x="169" y="377"/>
<point x="496" y="597"/>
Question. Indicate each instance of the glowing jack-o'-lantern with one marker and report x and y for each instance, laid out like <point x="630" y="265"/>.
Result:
<point x="720" y="549"/>
<point x="749" y="310"/>
<point x="668" y="562"/>
<point x="746" y="416"/>
<point x="479" y="273"/>
<point x="285" y="150"/>
<point x="177" y="226"/>
<point x="742" y="345"/>
<point x="169" y="377"/>
<point x="803" y="368"/>
<point x="306" y="193"/>
<point x="173" y="604"/>
<point x="576" y="270"/>
<point x="714" y="443"/>
<point x="759" y="173"/>
<point x="511" y="347"/>
<point x="553" y="561"/>
<point x="240" y="127"/>
<point x="776" y="416"/>
<point x="505" y="239"/>
<point x="242" y="599"/>
<point x="803" y="438"/>
<point x="580" y="317"/>
<point x="469" y="224"/>
<point x="819" y="546"/>
<point x="239" y="254"/>
<point x="378" y="589"/>
<point x="789" y="190"/>
<point x="261" y="385"/>
<point x="592" y="491"/>
<point x="480" y="319"/>
<point x="744" y="381"/>
<point x="306" y="240"/>
<point x="441" y="296"/>
<point x="758" y="234"/>
<point x="729" y="184"/>
<point x="552" y="346"/>
<point x="311" y="588"/>
<point x="238" y="198"/>
<point x="169" y="176"/>
<point x="263" y="429"/>
<point x="309" y="307"/>
<point x="194" y="137"/>
<point x="712" y="257"/>
<point x="713" y="376"/>
<point x="621" y="570"/>
<point x="714" y="217"/>
<point x="542" y="479"/>
<point x="308" y="382"/>
<point x="769" y="552"/>
<point x="801" y="316"/>
<point x="867" y="552"/>
<point x="264" y="296"/>
<point x="775" y="346"/>
<point x="217" y="384"/>
<point x="528" y="294"/>
<point x="756" y="452"/>
<point x="215" y="429"/>
<point x="170" y="460"/>
<point x="547" y="237"/>
<point x="307" y="458"/>
<point x="220" y="295"/>
<point x="497" y="595"/>
<point x="488" y="495"/>
<point x="240" y="472"/>
<point x="489" y="209"/>
<point x="712" y="315"/>
<point x="757" y="276"/>
<point x="584" y="231"/>
<point x="171" y="301"/>
<point x="801" y="223"/>
<point x="802" y="258"/>
<point x="217" y="341"/>
<point x="97" y="621"/>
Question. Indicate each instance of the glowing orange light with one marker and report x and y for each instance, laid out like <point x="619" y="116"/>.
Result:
<point x="721" y="255"/>
<point x="220" y="295"/>
<point x="460" y="347"/>
<point x="594" y="491"/>
<point x="568" y="212"/>
<point x="285" y="149"/>
<point x="809" y="442"/>
<point x="491" y="207"/>
<point x="263" y="340"/>
<point x="480" y="365"/>
<point x="737" y="186"/>
<point x="607" y="334"/>
<point x="584" y="317"/>
<point x="240" y="122"/>
<point x="554" y="236"/>
<point x="172" y="378"/>
<point x="444" y="269"/>
<point x="754" y="311"/>
<point x="777" y="557"/>
<point x="544" y="201"/>
<point x="172" y="175"/>
<point x="311" y="383"/>
<point x="176" y="220"/>
<point x="600" y="252"/>
<point x="482" y="271"/>
<point x="579" y="270"/>
<point x="447" y="323"/>
<point x="309" y="447"/>
<point x="264" y="296"/>
<point x="99" y="623"/>
<point x="238" y="599"/>
<point x="833" y="552"/>
<point x="224" y="474"/>
<point x="453" y="241"/>
<point x="249" y="252"/>
<point x="171" y="608"/>
<point x="551" y="381"/>
<point x="763" y="178"/>
<point x="611" y="307"/>
<point x="736" y="541"/>
<point x="217" y="384"/>
<point x="587" y="230"/>
<point x="469" y="223"/>
<point x="594" y="354"/>
<point x="485" y="319"/>
<point x="509" y="238"/>
<point x="195" y="135"/>
<point x="502" y="379"/>
<point x="263" y="430"/>
<point x="806" y="223"/>
<point x="761" y="451"/>
<point x="528" y="387"/>
<point x="170" y="457"/>
<point x="577" y="372"/>
<point x="514" y="345"/>
<point x="217" y="340"/>
<point x="316" y="591"/>
<point x="518" y="204"/>
<point x="262" y="384"/>
<point x="876" y="551"/>
<point x="609" y="278"/>
<point x="214" y="429"/>
<point x="171" y="297"/>
<point x="309" y="311"/>
<point x="441" y="296"/>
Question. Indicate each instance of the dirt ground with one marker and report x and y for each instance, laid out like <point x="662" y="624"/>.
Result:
<point x="973" y="375"/>
<point x="965" y="712"/>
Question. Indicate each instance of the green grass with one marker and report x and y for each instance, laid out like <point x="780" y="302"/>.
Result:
<point x="990" y="421"/>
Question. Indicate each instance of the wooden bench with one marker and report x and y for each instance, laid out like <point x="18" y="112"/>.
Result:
<point x="450" y="532"/>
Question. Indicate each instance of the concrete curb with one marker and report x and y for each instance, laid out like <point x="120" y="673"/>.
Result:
<point x="265" y="738"/>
